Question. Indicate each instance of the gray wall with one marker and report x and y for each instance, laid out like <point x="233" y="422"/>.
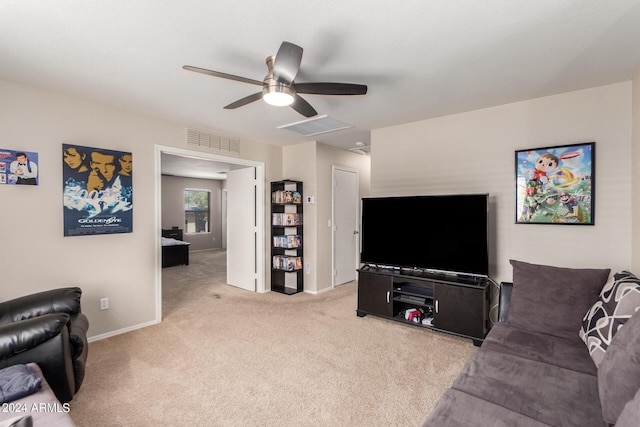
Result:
<point x="473" y="152"/>
<point x="123" y="267"/>
<point x="173" y="209"/>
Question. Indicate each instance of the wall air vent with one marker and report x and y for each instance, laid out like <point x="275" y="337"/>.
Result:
<point x="214" y="142"/>
<point x="316" y="126"/>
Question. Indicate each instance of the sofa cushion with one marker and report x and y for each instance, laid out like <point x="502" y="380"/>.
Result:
<point x="618" y="301"/>
<point x="631" y="413"/>
<point x="553" y="300"/>
<point x="459" y="409"/>
<point x="561" y="352"/>
<point x="619" y="372"/>
<point x="549" y="394"/>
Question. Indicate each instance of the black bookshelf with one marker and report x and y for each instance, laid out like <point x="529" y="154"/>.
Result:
<point x="287" y="267"/>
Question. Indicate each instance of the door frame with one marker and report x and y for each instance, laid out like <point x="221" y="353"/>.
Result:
<point x="333" y="222"/>
<point x="260" y="212"/>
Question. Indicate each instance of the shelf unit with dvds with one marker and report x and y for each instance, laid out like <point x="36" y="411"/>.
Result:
<point x="287" y="268"/>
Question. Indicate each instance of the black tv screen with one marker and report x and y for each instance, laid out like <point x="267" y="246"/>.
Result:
<point x="443" y="233"/>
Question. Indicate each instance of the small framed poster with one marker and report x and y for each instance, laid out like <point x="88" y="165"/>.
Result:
<point x="18" y="167"/>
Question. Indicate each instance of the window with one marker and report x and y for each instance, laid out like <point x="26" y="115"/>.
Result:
<point x="196" y="211"/>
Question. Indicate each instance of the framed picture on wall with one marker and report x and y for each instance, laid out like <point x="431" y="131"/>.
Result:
<point x="18" y="167"/>
<point x="556" y="185"/>
<point x="97" y="191"/>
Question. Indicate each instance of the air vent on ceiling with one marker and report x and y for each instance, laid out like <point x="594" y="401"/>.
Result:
<point x="214" y="142"/>
<point x="364" y="150"/>
<point x="316" y="126"/>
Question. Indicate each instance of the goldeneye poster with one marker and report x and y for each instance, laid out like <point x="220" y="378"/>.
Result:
<point x="98" y="191"/>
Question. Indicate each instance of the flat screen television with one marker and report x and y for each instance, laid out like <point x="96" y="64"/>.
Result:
<point x="447" y="233"/>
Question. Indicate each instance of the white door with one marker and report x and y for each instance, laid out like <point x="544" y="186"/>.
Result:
<point x="345" y="225"/>
<point x="241" y="228"/>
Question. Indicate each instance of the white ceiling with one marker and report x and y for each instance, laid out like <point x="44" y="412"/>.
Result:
<point x="419" y="58"/>
<point x="190" y="167"/>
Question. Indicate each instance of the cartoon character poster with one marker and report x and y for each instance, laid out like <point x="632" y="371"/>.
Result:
<point x="555" y="185"/>
<point x="18" y="167"/>
<point x="98" y="191"/>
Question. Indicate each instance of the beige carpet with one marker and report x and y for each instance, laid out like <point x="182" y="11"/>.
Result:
<point x="227" y="357"/>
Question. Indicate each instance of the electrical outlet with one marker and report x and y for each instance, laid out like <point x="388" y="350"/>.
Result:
<point x="104" y="304"/>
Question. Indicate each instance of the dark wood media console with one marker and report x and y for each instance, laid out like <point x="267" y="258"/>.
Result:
<point x="451" y="304"/>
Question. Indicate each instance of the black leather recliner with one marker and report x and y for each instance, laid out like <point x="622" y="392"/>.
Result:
<point x="47" y="328"/>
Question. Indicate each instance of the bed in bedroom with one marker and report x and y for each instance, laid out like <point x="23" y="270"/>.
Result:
<point x="175" y="251"/>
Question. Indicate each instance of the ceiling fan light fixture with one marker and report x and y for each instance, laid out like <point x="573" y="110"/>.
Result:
<point x="278" y="94"/>
<point x="279" y="87"/>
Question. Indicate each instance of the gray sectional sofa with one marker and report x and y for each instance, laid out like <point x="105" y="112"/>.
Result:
<point x="566" y="352"/>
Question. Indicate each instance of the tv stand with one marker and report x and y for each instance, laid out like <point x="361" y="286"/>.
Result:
<point x="455" y="304"/>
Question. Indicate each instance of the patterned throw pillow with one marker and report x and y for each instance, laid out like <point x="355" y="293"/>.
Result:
<point x="618" y="301"/>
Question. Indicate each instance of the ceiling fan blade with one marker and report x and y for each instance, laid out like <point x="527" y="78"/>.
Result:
<point x="244" y="101"/>
<point x="222" y="75"/>
<point x="287" y="62"/>
<point x="330" y="88"/>
<point x="303" y="107"/>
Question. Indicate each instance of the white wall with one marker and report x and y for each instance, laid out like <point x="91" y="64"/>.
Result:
<point x="328" y="157"/>
<point x="311" y="163"/>
<point x="35" y="256"/>
<point x="470" y="152"/>
<point x="635" y="195"/>
<point x="299" y="164"/>
<point x="474" y="153"/>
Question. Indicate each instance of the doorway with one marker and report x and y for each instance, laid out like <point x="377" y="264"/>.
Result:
<point x="345" y="233"/>
<point x="257" y="190"/>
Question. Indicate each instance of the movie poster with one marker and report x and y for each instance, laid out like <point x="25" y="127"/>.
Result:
<point x="98" y="191"/>
<point x="18" y="167"/>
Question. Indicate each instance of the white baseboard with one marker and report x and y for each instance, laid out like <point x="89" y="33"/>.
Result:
<point x="206" y="250"/>
<point x="122" y="331"/>
<point x="321" y="291"/>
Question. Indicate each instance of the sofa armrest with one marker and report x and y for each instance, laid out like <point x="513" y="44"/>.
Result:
<point x="62" y="300"/>
<point x="504" y="301"/>
<point x="43" y="340"/>
<point x="20" y="336"/>
<point x="78" y="327"/>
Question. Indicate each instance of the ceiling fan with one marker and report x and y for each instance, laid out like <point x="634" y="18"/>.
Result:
<point x="279" y="88"/>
